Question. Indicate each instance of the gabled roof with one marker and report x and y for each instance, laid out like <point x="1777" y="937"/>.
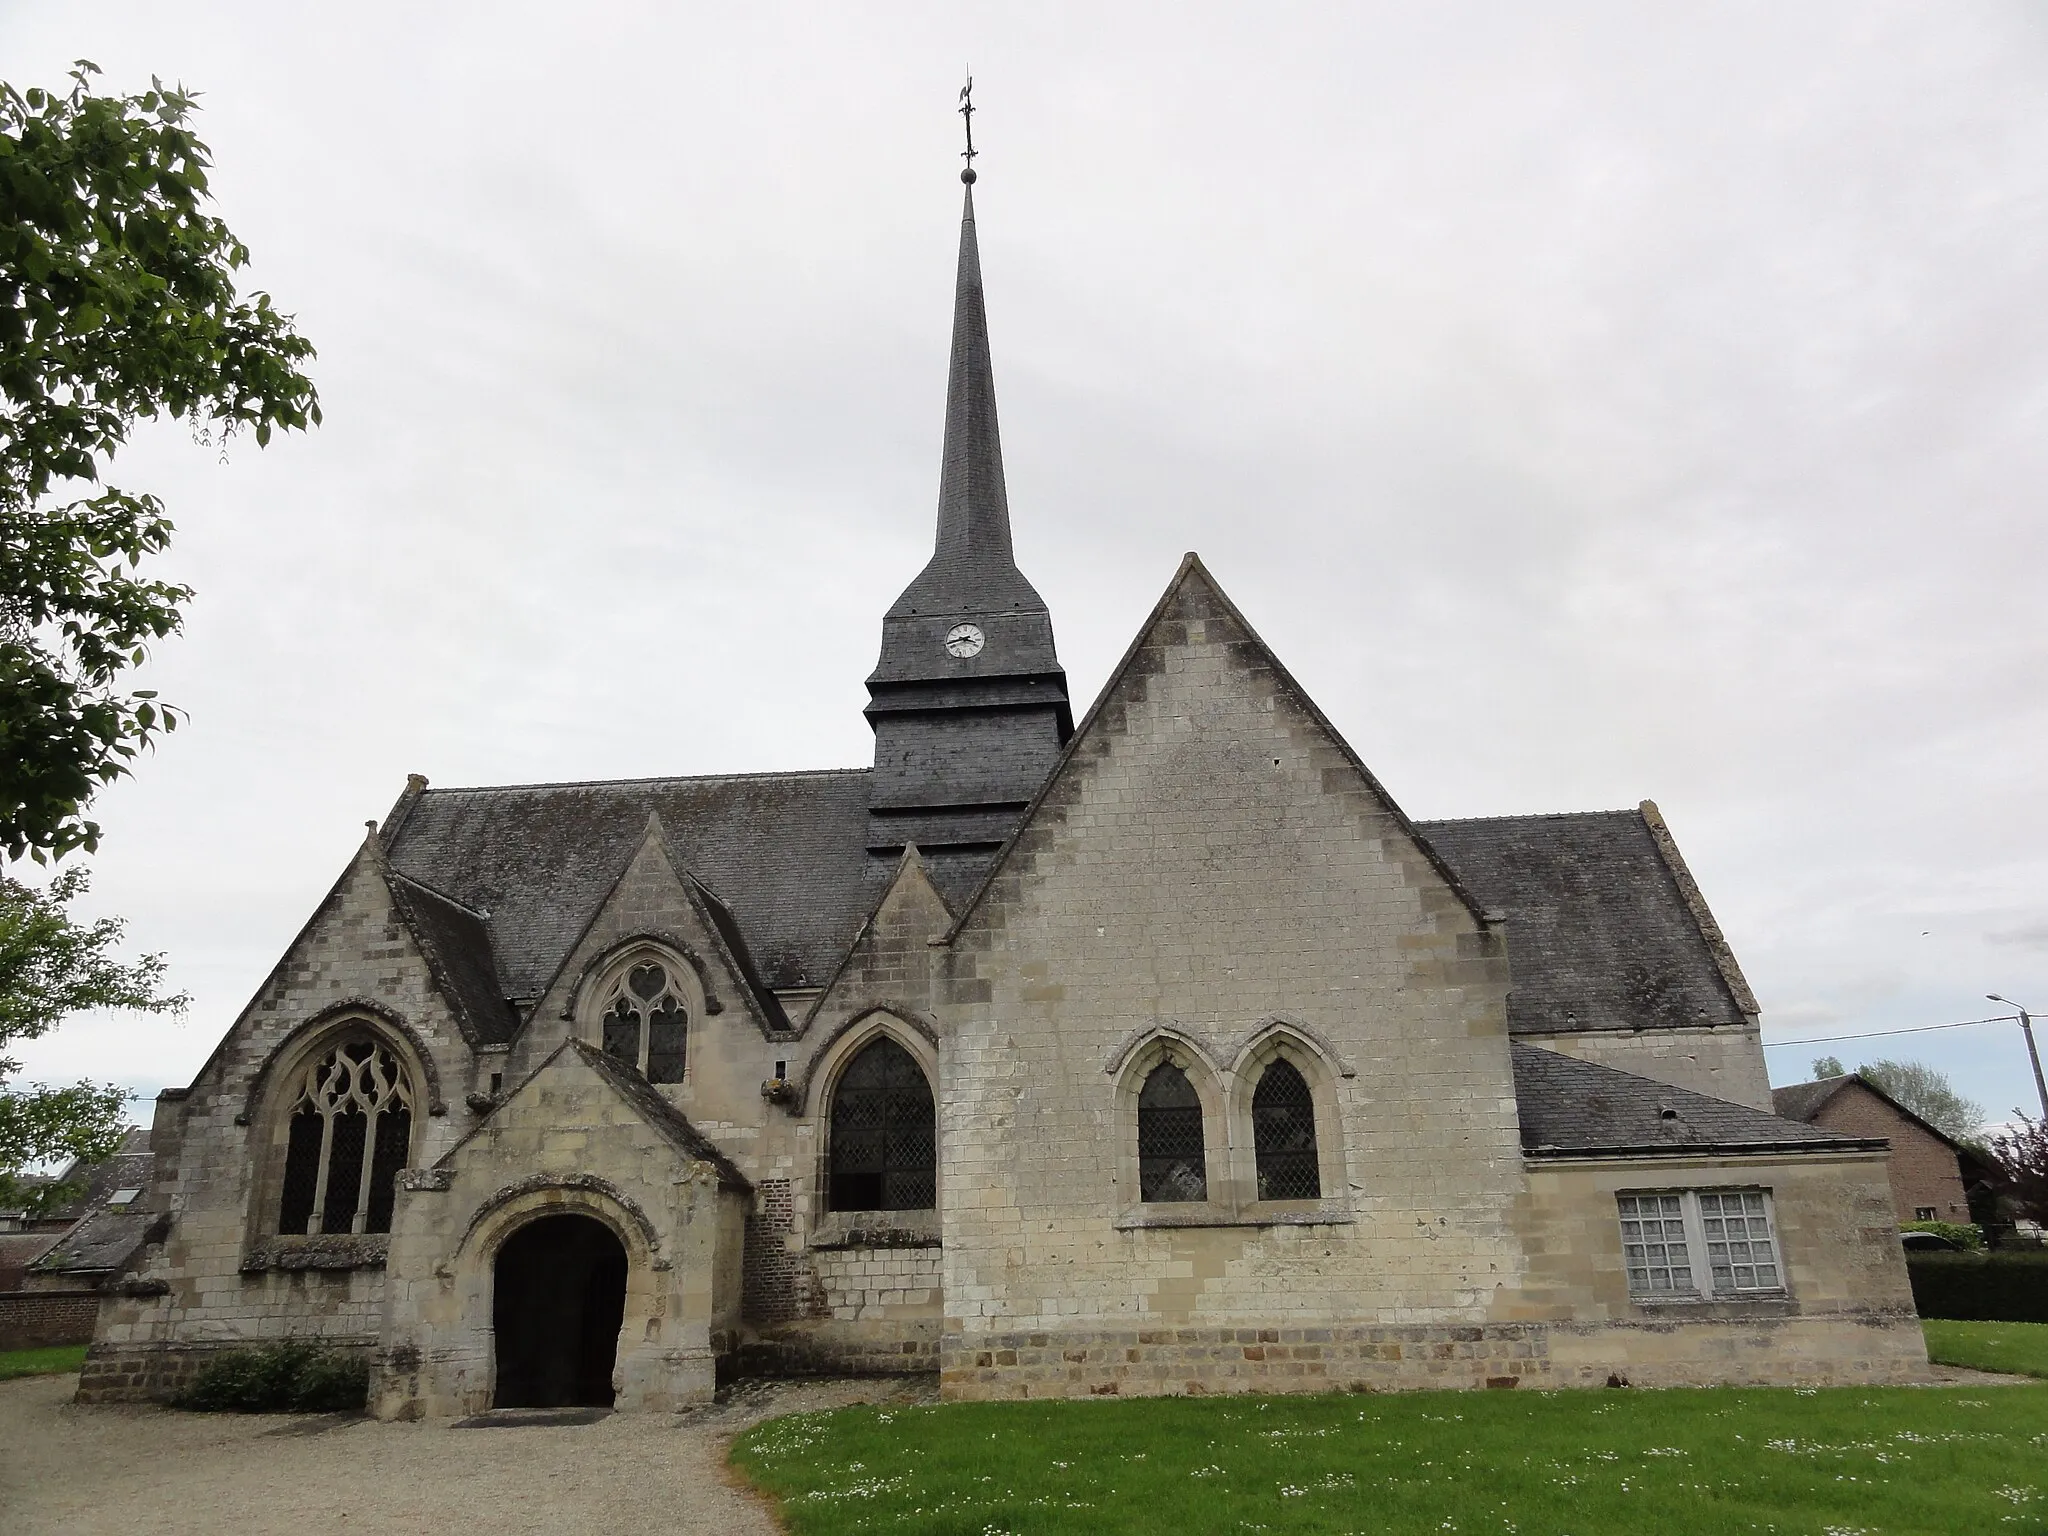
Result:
<point x="1600" y="933"/>
<point x="1578" y="1108"/>
<point x="457" y="944"/>
<point x="727" y="927"/>
<point x="105" y="1243"/>
<point x="786" y="852"/>
<point x="1195" y="594"/>
<point x="1802" y="1101"/>
<point x="131" y="1167"/>
<point x="673" y="1125"/>
<point x="659" y="1113"/>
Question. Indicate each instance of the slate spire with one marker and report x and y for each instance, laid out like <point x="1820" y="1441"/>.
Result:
<point x="968" y="700"/>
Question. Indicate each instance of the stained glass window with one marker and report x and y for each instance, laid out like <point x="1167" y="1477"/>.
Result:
<point x="646" y="1024"/>
<point x="884" y="1133"/>
<point x="351" y="1127"/>
<point x="1284" y="1135"/>
<point x="1170" y="1161"/>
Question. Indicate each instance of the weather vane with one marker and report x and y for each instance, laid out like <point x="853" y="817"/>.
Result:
<point x="967" y="117"/>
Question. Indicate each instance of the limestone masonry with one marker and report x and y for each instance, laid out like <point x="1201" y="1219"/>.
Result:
<point x="1158" y="1052"/>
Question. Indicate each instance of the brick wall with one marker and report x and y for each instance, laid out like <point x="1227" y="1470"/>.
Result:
<point x="778" y="1285"/>
<point x="1924" y="1172"/>
<point x="40" y="1319"/>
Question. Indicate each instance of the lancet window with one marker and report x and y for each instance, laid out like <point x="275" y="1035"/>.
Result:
<point x="351" y="1127"/>
<point x="647" y="1023"/>
<point x="1171" y="1165"/>
<point x="1284" y="1134"/>
<point x="884" y="1154"/>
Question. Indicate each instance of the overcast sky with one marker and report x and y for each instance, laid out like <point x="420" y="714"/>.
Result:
<point x="1589" y="403"/>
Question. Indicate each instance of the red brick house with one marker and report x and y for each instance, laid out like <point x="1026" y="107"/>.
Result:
<point x="1926" y="1171"/>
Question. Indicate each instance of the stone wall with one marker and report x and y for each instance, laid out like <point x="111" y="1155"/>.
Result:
<point x="1725" y="1062"/>
<point x="41" y="1319"/>
<point x="1212" y="873"/>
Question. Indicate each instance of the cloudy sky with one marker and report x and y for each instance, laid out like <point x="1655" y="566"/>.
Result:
<point x="1589" y="402"/>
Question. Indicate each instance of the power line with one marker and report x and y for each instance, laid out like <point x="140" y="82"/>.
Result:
<point x="1872" y="1034"/>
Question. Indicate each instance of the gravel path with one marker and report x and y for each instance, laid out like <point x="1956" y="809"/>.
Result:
<point x="89" y="1471"/>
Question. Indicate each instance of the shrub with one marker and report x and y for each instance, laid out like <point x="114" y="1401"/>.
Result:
<point x="1962" y="1233"/>
<point x="2009" y="1286"/>
<point x="280" y="1378"/>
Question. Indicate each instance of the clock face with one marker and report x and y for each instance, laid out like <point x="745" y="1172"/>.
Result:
<point x="965" y="640"/>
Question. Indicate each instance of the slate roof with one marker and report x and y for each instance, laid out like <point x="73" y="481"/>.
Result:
<point x="131" y="1167"/>
<point x="1570" y="1107"/>
<point x="1600" y="935"/>
<point x="104" y="1243"/>
<point x="457" y="942"/>
<point x="1599" y="932"/>
<point x="786" y="851"/>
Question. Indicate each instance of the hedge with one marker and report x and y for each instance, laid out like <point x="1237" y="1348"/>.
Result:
<point x="284" y="1378"/>
<point x="2008" y="1286"/>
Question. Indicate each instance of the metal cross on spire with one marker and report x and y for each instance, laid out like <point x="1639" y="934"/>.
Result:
<point x="967" y="118"/>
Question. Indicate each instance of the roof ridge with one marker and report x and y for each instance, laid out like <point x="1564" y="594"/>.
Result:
<point x="1447" y="821"/>
<point x="674" y="778"/>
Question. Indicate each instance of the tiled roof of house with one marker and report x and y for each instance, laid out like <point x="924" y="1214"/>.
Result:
<point x="1600" y="933"/>
<point x="131" y="1167"/>
<point x="102" y="1244"/>
<point x="1802" y="1101"/>
<point x="1572" y="1107"/>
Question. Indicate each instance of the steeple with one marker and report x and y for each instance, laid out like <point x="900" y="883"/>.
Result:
<point x="968" y="700"/>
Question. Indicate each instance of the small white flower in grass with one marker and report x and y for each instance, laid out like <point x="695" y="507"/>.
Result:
<point x="1665" y="1450"/>
<point x="1290" y="1491"/>
<point x="1208" y="1472"/>
<point x="2017" y="1495"/>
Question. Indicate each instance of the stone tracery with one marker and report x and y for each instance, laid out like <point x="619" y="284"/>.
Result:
<point x="350" y="1129"/>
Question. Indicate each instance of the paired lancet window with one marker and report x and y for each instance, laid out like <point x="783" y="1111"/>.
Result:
<point x="884" y="1141"/>
<point x="351" y="1126"/>
<point x="1173" y="1161"/>
<point x="647" y="1023"/>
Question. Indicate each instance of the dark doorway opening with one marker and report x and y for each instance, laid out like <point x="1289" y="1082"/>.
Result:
<point x="560" y="1297"/>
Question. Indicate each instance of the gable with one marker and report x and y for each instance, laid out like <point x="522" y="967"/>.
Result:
<point x="1204" y="798"/>
<point x="652" y="898"/>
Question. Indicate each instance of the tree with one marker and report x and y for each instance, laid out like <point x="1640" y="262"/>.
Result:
<point x="117" y="306"/>
<point x="1926" y="1092"/>
<point x="52" y="966"/>
<point x="1829" y="1066"/>
<point x="2021" y="1152"/>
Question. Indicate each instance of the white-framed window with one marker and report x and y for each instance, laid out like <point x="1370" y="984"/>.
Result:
<point x="1716" y="1243"/>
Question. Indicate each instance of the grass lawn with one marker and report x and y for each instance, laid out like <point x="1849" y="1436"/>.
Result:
<point x="2018" y="1347"/>
<point x="1839" y="1462"/>
<point x="56" y="1361"/>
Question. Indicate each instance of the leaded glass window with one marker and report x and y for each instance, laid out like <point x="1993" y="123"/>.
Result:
<point x="884" y="1133"/>
<point x="1170" y="1162"/>
<point x="1653" y="1246"/>
<point x="1284" y="1135"/>
<point x="646" y="1023"/>
<point x="351" y="1126"/>
<point x="1708" y="1242"/>
<point x="1740" y="1253"/>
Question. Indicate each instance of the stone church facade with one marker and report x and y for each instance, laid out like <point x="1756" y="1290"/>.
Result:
<point x="1160" y="1052"/>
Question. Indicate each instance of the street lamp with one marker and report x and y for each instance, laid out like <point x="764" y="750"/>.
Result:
<point x="2027" y="1029"/>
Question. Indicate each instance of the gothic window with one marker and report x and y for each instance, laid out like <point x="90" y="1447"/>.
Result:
<point x="1170" y="1161"/>
<point x="884" y="1139"/>
<point x="351" y="1125"/>
<point x="646" y="1024"/>
<point x="1284" y="1135"/>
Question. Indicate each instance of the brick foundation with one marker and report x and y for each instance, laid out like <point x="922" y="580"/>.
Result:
<point x="43" y="1319"/>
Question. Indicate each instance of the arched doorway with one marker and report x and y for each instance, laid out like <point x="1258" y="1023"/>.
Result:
<point x="560" y="1296"/>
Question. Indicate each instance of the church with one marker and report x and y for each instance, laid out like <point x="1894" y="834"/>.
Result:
<point x="1150" y="1050"/>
